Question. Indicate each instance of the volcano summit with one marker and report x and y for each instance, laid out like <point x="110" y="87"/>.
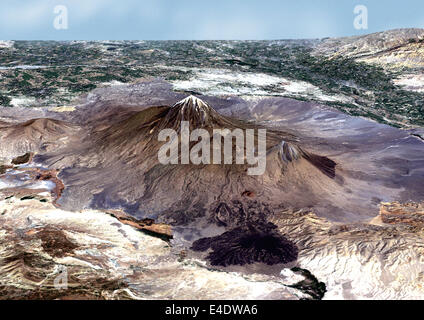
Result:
<point x="120" y="161"/>
<point x="197" y="111"/>
<point x="316" y="197"/>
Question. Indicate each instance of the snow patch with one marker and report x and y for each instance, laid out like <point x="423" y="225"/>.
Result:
<point x="412" y="82"/>
<point x="22" y="101"/>
<point x="221" y="82"/>
<point x="6" y="43"/>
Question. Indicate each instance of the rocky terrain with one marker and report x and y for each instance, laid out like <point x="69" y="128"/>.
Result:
<point x="89" y="212"/>
<point x="368" y="76"/>
<point x="308" y="228"/>
<point x="99" y="257"/>
<point x="394" y="49"/>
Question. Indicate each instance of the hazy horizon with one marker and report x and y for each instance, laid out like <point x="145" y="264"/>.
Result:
<point x="135" y="40"/>
<point x="190" y="20"/>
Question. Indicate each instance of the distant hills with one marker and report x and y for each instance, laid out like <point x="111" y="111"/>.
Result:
<point x="392" y="49"/>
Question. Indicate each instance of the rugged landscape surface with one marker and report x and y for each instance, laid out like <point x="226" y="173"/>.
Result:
<point x="336" y="214"/>
<point x="378" y="76"/>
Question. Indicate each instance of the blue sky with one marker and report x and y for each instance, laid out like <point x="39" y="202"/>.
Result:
<point x="212" y="19"/>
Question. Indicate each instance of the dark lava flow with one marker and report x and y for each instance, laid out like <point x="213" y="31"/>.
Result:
<point x="248" y="244"/>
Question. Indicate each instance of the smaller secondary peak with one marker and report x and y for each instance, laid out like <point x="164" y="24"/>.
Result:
<point x="290" y="152"/>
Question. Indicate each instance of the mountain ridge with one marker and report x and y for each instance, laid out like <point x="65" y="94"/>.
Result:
<point x="392" y="49"/>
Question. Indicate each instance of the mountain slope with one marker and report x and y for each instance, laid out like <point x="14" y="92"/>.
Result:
<point x="34" y="136"/>
<point x="120" y="162"/>
<point x="391" y="49"/>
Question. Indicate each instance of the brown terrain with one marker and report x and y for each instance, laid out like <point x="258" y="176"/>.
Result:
<point x="407" y="213"/>
<point x="315" y="203"/>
